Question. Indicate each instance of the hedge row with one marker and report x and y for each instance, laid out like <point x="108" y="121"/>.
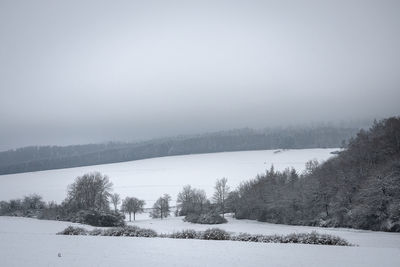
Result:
<point x="132" y="231"/>
<point x="213" y="234"/>
<point x="301" y="238"/>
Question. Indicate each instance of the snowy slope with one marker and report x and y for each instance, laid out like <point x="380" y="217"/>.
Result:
<point x="150" y="178"/>
<point x="30" y="242"/>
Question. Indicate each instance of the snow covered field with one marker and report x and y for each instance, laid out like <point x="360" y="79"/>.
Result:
<point x="148" y="179"/>
<point x="30" y="242"/>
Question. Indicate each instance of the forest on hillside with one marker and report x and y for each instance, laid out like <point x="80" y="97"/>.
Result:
<point x="359" y="188"/>
<point x="36" y="158"/>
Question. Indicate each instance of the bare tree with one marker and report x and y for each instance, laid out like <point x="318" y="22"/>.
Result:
<point x="115" y="200"/>
<point x="221" y="194"/>
<point x="133" y="205"/>
<point x="184" y="200"/>
<point x="191" y="200"/>
<point x="311" y="166"/>
<point x="90" y="192"/>
<point x="33" y="202"/>
<point x="161" y="208"/>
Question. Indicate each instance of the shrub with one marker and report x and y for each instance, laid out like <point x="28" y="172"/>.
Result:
<point x="71" y="230"/>
<point x="96" y="218"/>
<point x="96" y="232"/>
<point x="215" y="234"/>
<point x="208" y="218"/>
<point x="246" y="237"/>
<point x="113" y="232"/>
<point x="211" y="218"/>
<point x="185" y="234"/>
<point x="138" y="232"/>
<point x="193" y="218"/>
<point x="303" y="238"/>
<point x="132" y="231"/>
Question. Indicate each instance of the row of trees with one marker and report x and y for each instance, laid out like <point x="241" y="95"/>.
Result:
<point x="359" y="188"/>
<point x="23" y="207"/>
<point x="54" y="157"/>
<point x="92" y="192"/>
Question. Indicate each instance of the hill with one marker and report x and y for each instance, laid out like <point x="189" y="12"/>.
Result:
<point x="36" y="158"/>
<point x="360" y="188"/>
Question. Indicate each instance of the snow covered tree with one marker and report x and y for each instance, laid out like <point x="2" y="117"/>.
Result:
<point x="90" y="191"/>
<point x="221" y="194"/>
<point x="191" y="200"/>
<point x="115" y="200"/>
<point x="132" y="205"/>
<point x="33" y="202"/>
<point x="161" y="208"/>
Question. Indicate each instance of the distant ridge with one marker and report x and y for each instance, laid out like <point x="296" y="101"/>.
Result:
<point x="37" y="158"/>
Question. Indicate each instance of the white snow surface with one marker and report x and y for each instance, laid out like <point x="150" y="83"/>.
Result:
<point x="31" y="242"/>
<point x="150" y="178"/>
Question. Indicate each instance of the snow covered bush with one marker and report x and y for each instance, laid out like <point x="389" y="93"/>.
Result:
<point x="96" y="232"/>
<point x="138" y="232"/>
<point x="215" y="234"/>
<point x="246" y="237"/>
<point x="192" y="217"/>
<point x="301" y="238"/>
<point x="113" y="232"/>
<point x="313" y="238"/>
<point x="209" y="218"/>
<point x="185" y="234"/>
<point x="96" y="218"/>
<point x="71" y="230"/>
<point x="132" y="231"/>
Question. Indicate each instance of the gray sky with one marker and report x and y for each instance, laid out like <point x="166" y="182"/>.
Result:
<point x="89" y="71"/>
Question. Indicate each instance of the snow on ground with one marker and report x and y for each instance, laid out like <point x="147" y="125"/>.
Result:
<point x="30" y="242"/>
<point x="148" y="179"/>
<point x="362" y="238"/>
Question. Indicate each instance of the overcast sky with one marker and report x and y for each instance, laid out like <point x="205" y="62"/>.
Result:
<point x="90" y="71"/>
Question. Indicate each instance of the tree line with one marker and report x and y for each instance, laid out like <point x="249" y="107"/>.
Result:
<point x="359" y="188"/>
<point x="89" y="200"/>
<point x="55" y="157"/>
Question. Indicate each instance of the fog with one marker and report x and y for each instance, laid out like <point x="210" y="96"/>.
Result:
<point x="92" y="71"/>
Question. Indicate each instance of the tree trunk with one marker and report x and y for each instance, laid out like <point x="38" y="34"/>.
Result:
<point x="130" y="217"/>
<point x="326" y="209"/>
<point x="134" y="216"/>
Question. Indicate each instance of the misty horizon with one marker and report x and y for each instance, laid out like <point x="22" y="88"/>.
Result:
<point x="82" y="72"/>
<point x="351" y="124"/>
